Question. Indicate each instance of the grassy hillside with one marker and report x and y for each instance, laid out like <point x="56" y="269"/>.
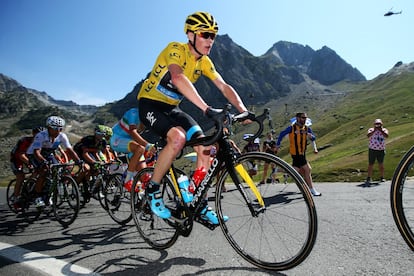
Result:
<point x="390" y="98"/>
<point x="341" y="116"/>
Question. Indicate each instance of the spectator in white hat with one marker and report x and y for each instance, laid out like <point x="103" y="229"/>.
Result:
<point x="376" y="149"/>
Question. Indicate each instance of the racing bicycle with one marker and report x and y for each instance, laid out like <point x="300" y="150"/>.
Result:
<point x="272" y="226"/>
<point x="402" y="197"/>
<point x="60" y="192"/>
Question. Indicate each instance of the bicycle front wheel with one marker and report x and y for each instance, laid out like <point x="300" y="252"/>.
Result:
<point x="29" y="210"/>
<point x="280" y="233"/>
<point x="65" y="200"/>
<point x="402" y="197"/>
<point x="157" y="232"/>
<point x="117" y="199"/>
<point x="10" y="195"/>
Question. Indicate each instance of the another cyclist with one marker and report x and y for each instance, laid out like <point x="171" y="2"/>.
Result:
<point x="89" y="149"/>
<point x="126" y="138"/>
<point x="19" y="159"/>
<point x="41" y="151"/>
<point x="177" y="67"/>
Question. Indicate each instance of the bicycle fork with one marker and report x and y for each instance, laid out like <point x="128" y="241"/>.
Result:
<point x="248" y="180"/>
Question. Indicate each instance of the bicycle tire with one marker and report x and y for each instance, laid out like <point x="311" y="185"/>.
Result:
<point x="402" y="197"/>
<point x="10" y="195"/>
<point x="279" y="237"/>
<point x="117" y="200"/>
<point x="157" y="232"/>
<point x="100" y="193"/>
<point x="65" y="201"/>
<point x="29" y="210"/>
<point x="82" y="194"/>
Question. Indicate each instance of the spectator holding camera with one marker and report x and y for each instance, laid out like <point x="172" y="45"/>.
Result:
<point x="376" y="149"/>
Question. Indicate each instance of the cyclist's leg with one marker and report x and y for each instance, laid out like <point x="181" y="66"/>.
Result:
<point x="177" y="127"/>
<point x="175" y="142"/>
<point x="135" y="151"/>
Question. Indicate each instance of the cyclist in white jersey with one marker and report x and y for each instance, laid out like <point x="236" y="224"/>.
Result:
<point x="41" y="151"/>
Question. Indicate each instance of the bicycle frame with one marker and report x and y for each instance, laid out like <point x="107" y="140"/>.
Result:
<point x="224" y="155"/>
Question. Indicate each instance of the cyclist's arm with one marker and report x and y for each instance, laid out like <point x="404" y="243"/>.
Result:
<point x="86" y="155"/>
<point x="73" y="154"/>
<point x="133" y="132"/>
<point x="63" y="154"/>
<point x="38" y="155"/>
<point x="23" y="157"/>
<point x="185" y="86"/>
<point x="230" y="93"/>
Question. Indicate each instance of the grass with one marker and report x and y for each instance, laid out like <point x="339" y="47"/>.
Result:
<point x="341" y="120"/>
<point x="343" y="125"/>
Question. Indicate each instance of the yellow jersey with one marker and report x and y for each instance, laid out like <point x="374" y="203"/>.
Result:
<point x="158" y="85"/>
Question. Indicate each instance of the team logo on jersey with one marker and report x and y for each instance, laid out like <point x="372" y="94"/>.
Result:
<point x="150" y="117"/>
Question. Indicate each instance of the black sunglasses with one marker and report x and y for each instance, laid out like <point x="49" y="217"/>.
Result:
<point x="207" y="35"/>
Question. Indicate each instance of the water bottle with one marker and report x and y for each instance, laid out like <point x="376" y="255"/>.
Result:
<point x="183" y="183"/>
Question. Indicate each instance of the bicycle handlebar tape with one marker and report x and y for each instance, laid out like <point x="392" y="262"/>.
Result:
<point x="212" y="112"/>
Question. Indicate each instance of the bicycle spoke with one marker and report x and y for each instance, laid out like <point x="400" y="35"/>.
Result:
<point x="65" y="198"/>
<point x="157" y="232"/>
<point x="117" y="200"/>
<point x="281" y="235"/>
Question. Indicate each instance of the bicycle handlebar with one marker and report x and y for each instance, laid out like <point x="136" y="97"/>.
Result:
<point x="219" y="120"/>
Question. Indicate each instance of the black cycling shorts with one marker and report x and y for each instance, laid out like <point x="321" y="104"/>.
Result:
<point x="376" y="155"/>
<point x="161" y="117"/>
<point x="299" y="161"/>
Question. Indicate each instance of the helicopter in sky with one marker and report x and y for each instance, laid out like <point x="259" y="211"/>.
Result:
<point x="390" y="12"/>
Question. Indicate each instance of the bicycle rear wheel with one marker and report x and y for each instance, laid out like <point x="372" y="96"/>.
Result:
<point x="402" y="197"/>
<point x="29" y="210"/>
<point x="117" y="199"/>
<point x="157" y="232"/>
<point x="65" y="201"/>
<point x="280" y="235"/>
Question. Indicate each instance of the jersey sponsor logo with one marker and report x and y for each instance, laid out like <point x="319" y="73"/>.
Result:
<point x="150" y="86"/>
<point x="174" y="54"/>
<point x="197" y="72"/>
<point x="158" y="70"/>
<point x="150" y="117"/>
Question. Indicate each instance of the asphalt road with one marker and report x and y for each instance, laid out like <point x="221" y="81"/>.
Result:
<point x="356" y="236"/>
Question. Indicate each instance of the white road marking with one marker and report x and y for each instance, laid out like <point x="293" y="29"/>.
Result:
<point x="42" y="262"/>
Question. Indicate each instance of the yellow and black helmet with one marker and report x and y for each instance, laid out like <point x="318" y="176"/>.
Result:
<point x="200" y="22"/>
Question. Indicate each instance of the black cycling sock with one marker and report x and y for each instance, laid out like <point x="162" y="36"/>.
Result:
<point x="153" y="187"/>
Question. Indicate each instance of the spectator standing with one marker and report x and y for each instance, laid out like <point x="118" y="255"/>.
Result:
<point x="299" y="133"/>
<point x="269" y="146"/>
<point x="376" y="149"/>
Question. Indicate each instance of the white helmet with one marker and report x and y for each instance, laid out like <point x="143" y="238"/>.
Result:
<point x="55" y="121"/>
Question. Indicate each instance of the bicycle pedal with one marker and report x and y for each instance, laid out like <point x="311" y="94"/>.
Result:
<point x="206" y="223"/>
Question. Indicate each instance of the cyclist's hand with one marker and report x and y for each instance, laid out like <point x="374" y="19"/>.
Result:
<point x="150" y="148"/>
<point x="45" y="163"/>
<point x="245" y="117"/>
<point x="96" y="165"/>
<point x="212" y="112"/>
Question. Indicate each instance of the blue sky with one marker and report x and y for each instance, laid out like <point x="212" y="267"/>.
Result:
<point x="95" y="51"/>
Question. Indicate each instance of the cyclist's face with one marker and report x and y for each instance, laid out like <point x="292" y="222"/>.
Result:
<point x="204" y="42"/>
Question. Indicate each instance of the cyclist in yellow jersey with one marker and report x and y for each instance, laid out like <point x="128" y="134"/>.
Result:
<point x="172" y="78"/>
